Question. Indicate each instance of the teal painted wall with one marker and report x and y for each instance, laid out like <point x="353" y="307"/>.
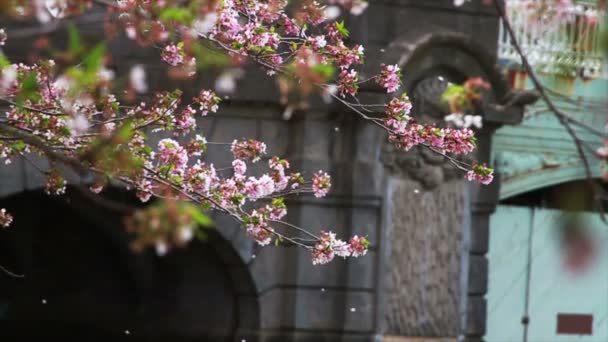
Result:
<point x="521" y="235"/>
<point x="539" y="152"/>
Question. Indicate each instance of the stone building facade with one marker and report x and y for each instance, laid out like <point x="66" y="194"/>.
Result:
<point x="425" y="275"/>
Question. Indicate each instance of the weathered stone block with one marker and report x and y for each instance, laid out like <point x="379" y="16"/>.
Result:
<point x="478" y="275"/>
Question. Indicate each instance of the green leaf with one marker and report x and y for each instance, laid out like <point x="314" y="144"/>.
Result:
<point x="180" y="15"/>
<point x="18" y="146"/>
<point x="29" y="89"/>
<point x="365" y="242"/>
<point x="340" y="26"/>
<point x="164" y="169"/>
<point x="200" y="218"/>
<point x="205" y="57"/>
<point x="278" y="202"/>
<point x="451" y="91"/>
<point x="324" y="70"/>
<point x="125" y="132"/>
<point x="4" y="62"/>
<point x="94" y="59"/>
<point x="74" y="40"/>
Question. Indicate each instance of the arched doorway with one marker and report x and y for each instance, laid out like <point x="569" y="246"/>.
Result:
<point x="82" y="281"/>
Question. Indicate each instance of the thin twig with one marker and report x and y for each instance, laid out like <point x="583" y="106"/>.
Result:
<point x="12" y="274"/>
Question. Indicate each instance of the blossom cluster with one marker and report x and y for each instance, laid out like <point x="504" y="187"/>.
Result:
<point x="328" y="247"/>
<point x="321" y="182"/>
<point x="481" y="174"/>
<point x="390" y="78"/>
<point x="347" y="83"/>
<point x="173" y="54"/>
<point x="164" y="226"/>
<point x="73" y="118"/>
<point x="405" y="133"/>
<point x="5" y="218"/>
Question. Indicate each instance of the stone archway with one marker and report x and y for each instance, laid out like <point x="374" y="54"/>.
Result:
<point x="83" y="281"/>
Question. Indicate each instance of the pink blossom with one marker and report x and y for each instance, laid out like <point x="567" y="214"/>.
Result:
<point x="590" y="16"/>
<point x="356" y="7"/>
<point x="201" y="178"/>
<point x="2" y="36"/>
<point x="347" y="83"/>
<point x="409" y="138"/>
<point x="260" y="37"/>
<point x="345" y="57"/>
<point x="257" y="227"/>
<point x="228" y="26"/>
<point x="144" y="190"/>
<point x="291" y="28"/>
<point x="248" y="149"/>
<point x="261" y="234"/>
<point x="390" y="77"/>
<point x="311" y="12"/>
<point x="399" y="107"/>
<point x="185" y="120"/>
<point x="137" y="79"/>
<point x="173" y="54"/>
<point x="55" y="183"/>
<point x="321" y="183"/>
<point x="256" y="188"/>
<point x="333" y="33"/>
<point x="173" y="155"/>
<point x="278" y="164"/>
<point x="459" y="141"/>
<point x="602" y="152"/>
<point x="208" y="101"/>
<point x="435" y="137"/>
<point x="239" y="167"/>
<point x="278" y="174"/>
<point x="318" y="42"/>
<point x="358" y="246"/>
<point x="197" y="146"/>
<point x="96" y="188"/>
<point x="277" y="213"/>
<point x="327" y="247"/>
<point x="190" y="66"/>
<point x="229" y="192"/>
<point x="397" y="112"/>
<point x="78" y="124"/>
<point x="481" y="174"/>
<point x="5" y="218"/>
<point x="161" y="247"/>
<point x="277" y="210"/>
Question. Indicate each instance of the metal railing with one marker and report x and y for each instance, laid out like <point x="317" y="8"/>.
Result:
<point x="557" y="38"/>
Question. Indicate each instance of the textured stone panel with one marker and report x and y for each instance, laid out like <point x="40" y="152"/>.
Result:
<point x="423" y="283"/>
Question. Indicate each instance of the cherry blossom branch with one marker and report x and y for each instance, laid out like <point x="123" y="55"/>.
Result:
<point x="12" y="274"/>
<point x="297" y="228"/>
<point x="31" y="109"/>
<point x="172" y="170"/>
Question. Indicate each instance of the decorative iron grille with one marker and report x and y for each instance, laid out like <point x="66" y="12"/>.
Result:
<point x="558" y="37"/>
